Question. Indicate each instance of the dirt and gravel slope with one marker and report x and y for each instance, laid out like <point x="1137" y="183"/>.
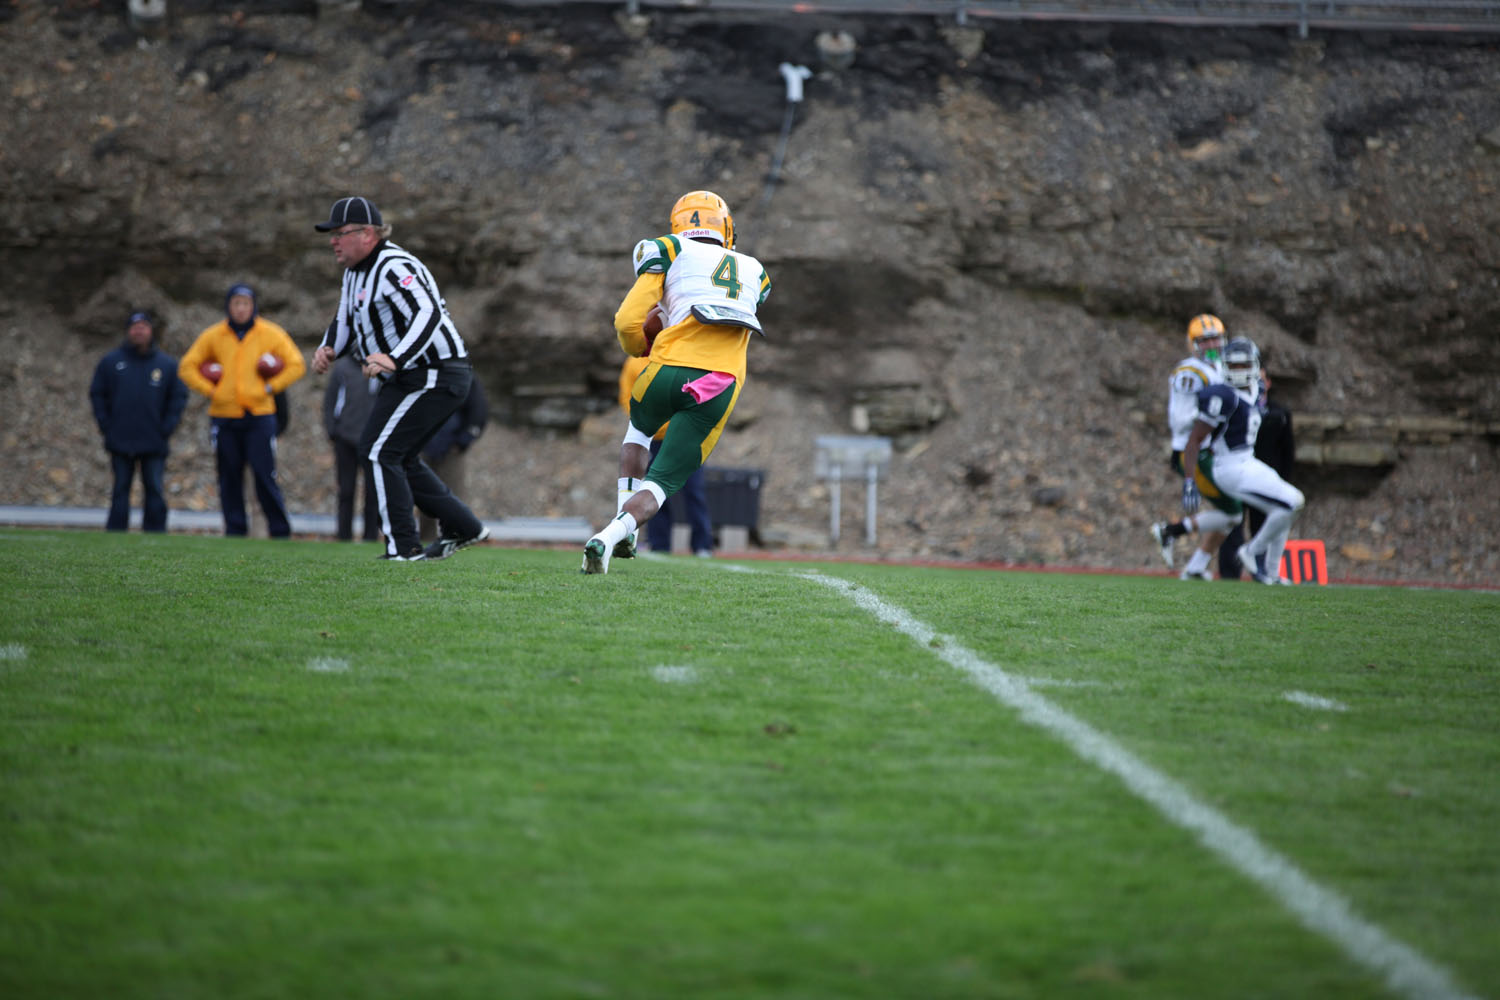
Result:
<point x="985" y="244"/>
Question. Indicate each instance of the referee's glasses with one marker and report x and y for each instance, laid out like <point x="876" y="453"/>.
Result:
<point x="348" y="232"/>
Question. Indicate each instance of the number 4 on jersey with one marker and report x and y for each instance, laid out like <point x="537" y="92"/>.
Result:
<point x="727" y="276"/>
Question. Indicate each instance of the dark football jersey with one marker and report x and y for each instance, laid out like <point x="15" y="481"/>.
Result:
<point x="1235" y="420"/>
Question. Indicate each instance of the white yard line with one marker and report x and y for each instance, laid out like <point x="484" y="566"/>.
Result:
<point x="1314" y="701"/>
<point x="669" y="673"/>
<point x="1405" y="970"/>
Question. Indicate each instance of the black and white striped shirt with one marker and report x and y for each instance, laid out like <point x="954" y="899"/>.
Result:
<point x="391" y="305"/>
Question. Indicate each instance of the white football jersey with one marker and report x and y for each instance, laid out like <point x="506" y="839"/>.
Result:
<point x="1188" y="376"/>
<point x="720" y="287"/>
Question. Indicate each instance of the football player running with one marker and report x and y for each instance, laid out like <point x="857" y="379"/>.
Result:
<point x="1228" y="419"/>
<point x="708" y="294"/>
<point x="1200" y="369"/>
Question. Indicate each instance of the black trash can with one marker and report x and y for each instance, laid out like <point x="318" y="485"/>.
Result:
<point x="734" y="497"/>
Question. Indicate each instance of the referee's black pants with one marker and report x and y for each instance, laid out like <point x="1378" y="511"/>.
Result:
<point x="410" y="407"/>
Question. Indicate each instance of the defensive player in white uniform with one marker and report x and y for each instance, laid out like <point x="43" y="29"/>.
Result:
<point x="704" y="294"/>
<point x="1229" y="417"/>
<point x="1201" y="368"/>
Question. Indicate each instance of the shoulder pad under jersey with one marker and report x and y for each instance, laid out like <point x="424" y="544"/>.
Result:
<point x="1229" y="399"/>
<point x="655" y="256"/>
<point x="1206" y="373"/>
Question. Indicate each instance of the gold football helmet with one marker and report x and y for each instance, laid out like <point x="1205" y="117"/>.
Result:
<point x="703" y="214"/>
<point x="1205" y="337"/>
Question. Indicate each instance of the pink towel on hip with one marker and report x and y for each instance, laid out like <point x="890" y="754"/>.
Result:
<point x="710" y="385"/>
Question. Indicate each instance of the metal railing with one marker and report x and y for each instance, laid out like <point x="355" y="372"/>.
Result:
<point x="1304" y="15"/>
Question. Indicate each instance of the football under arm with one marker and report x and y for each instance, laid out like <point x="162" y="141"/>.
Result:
<point x="631" y="315"/>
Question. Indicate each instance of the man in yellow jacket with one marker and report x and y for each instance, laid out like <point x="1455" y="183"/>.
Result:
<point x="240" y="363"/>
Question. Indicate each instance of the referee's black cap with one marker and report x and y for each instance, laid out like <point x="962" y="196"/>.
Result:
<point x="352" y="211"/>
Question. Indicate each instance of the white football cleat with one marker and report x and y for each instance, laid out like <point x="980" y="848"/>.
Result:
<point x="1252" y="565"/>
<point x="1159" y="532"/>
<point x="1201" y="574"/>
<point x="595" y="556"/>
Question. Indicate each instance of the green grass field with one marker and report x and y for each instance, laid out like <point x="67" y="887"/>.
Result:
<point x="249" y="769"/>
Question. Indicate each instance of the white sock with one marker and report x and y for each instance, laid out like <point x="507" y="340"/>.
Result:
<point x="1276" y="543"/>
<point x="1199" y="562"/>
<point x="617" y="530"/>
<point x="625" y="488"/>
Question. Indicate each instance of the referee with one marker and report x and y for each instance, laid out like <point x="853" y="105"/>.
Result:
<point x="393" y="319"/>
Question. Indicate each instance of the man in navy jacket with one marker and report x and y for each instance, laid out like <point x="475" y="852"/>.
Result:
<point x="138" y="401"/>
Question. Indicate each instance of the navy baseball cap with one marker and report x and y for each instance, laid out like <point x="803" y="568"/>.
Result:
<point x="139" y="317"/>
<point x="352" y="211"/>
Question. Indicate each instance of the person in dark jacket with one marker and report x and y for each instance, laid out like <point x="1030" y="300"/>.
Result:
<point x="138" y="401"/>
<point x="445" y="452"/>
<point x="346" y="408"/>
<point x="1276" y="446"/>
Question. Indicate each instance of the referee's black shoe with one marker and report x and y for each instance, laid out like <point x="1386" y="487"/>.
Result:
<point x="447" y="545"/>
<point x="415" y="555"/>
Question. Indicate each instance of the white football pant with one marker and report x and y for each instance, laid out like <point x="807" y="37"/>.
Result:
<point x="1251" y="481"/>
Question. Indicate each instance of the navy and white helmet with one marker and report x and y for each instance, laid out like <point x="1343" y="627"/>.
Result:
<point x="1242" y="363"/>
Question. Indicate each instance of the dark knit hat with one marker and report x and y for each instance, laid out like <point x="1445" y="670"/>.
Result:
<point x="352" y="211"/>
<point x="240" y="288"/>
<point x="140" y="317"/>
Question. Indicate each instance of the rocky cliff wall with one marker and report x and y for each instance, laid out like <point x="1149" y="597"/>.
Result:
<point x="985" y="243"/>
